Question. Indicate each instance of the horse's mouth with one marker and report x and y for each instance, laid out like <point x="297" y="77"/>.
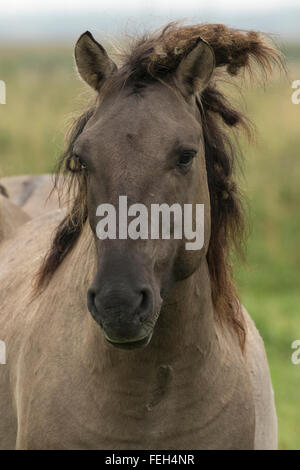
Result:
<point x="130" y="344"/>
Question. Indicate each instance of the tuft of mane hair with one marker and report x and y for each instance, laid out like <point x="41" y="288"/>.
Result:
<point x="154" y="57"/>
<point x="157" y="54"/>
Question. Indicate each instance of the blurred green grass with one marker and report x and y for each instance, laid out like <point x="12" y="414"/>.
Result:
<point x="43" y="92"/>
<point x="270" y="284"/>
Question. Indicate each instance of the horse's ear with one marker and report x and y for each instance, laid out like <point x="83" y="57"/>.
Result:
<point x="196" y="68"/>
<point x="93" y="63"/>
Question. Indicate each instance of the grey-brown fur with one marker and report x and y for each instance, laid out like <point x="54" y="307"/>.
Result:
<point x="11" y="218"/>
<point x="32" y="193"/>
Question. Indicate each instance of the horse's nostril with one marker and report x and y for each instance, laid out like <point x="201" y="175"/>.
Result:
<point x="91" y="300"/>
<point x="120" y="307"/>
<point x="146" y="303"/>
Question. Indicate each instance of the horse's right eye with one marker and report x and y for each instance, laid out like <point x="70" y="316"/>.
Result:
<point x="186" y="159"/>
<point x="75" y="164"/>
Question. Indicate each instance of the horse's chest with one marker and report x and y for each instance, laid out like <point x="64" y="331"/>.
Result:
<point x="101" y="414"/>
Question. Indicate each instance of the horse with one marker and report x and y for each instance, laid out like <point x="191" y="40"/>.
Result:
<point x="11" y="216"/>
<point x="140" y="343"/>
<point x="33" y="193"/>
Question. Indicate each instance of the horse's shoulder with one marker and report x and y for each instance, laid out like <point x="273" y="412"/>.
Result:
<point x="263" y="394"/>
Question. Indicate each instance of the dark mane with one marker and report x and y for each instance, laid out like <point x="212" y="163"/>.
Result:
<point x="155" y="57"/>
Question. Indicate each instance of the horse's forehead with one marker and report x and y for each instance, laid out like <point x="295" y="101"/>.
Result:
<point x="130" y="123"/>
<point x="157" y="112"/>
<point x="131" y="109"/>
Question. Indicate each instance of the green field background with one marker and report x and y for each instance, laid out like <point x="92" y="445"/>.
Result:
<point x="43" y="93"/>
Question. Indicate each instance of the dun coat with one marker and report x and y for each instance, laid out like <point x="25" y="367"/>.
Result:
<point x="139" y="344"/>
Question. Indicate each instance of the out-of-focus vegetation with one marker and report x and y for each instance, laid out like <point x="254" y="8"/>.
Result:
<point x="270" y="284"/>
<point x="43" y="92"/>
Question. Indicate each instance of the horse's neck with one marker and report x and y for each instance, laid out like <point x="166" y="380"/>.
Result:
<point x="186" y="320"/>
<point x="185" y="336"/>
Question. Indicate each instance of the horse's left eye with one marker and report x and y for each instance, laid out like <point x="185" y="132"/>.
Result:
<point x="75" y="164"/>
<point x="185" y="159"/>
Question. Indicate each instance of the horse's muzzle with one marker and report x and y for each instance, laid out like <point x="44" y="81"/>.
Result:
<point x="125" y="314"/>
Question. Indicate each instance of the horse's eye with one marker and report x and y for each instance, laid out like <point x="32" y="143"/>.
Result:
<point x="185" y="159"/>
<point x="75" y="164"/>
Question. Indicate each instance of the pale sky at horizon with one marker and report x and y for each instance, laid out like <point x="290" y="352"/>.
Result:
<point x="34" y="6"/>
